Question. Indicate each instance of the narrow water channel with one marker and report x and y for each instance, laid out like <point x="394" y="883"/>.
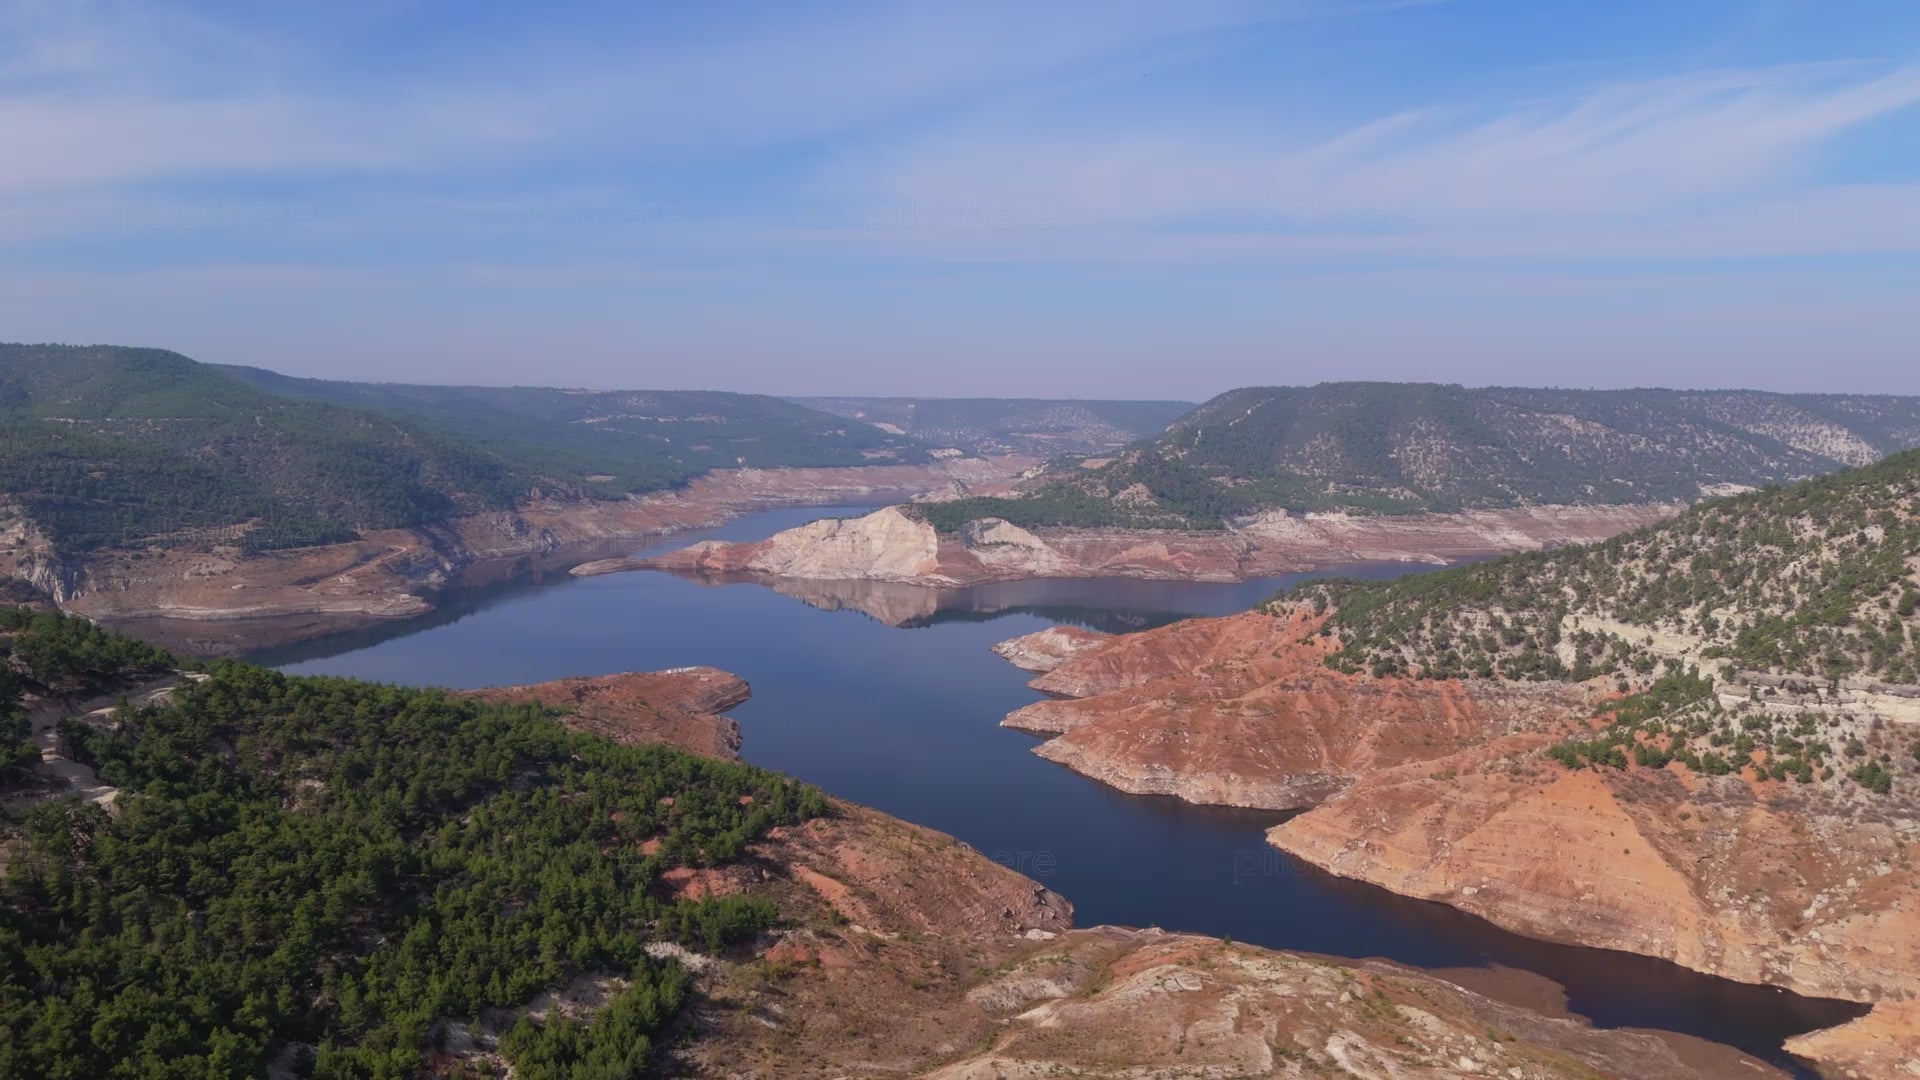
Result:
<point x="899" y="709"/>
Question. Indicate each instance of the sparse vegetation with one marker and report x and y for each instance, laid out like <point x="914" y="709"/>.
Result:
<point x="1790" y="596"/>
<point x="1401" y="448"/>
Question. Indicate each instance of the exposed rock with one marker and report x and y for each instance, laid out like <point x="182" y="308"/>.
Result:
<point x="885" y="548"/>
<point x="1883" y="1043"/>
<point x="1000" y="544"/>
<point x="1045" y="650"/>
<point x="885" y="545"/>
<point x="1807" y="890"/>
<point x="1438" y="789"/>
<point x="1237" y="711"/>
<point x="926" y="960"/>
<point x="221" y="599"/>
<point x="677" y="707"/>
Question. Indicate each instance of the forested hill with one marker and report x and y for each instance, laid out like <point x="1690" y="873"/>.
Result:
<point x="1772" y="635"/>
<point x="643" y="438"/>
<point x="1819" y="581"/>
<point x="338" y="879"/>
<point x="105" y="446"/>
<point x="1394" y="447"/>
<point x="1038" y="426"/>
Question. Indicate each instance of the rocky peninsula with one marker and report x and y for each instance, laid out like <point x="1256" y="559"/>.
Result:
<point x="1438" y="789"/>
<point x="894" y="545"/>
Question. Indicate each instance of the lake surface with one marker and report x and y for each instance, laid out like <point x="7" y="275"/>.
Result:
<point x="905" y="718"/>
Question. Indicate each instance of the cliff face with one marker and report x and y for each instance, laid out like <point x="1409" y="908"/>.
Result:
<point x="910" y="955"/>
<point x="1439" y="790"/>
<point x="1764" y="883"/>
<point x="891" y="546"/>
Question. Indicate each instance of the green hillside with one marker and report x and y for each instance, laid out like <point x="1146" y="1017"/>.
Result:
<point x="1396" y="448"/>
<point x="642" y="439"/>
<point x="1752" y="630"/>
<point x="105" y="446"/>
<point x="108" y="446"/>
<point x="1037" y="426"/>
<point x="328" y="875"/>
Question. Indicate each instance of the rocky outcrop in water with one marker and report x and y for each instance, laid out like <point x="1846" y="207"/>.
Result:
<point x="1045" y="650"/>
<point x="893" y="545"/>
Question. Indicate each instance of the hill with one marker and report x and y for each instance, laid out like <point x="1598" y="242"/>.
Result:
<point x="1698" y="740"/>
<point x="108" y="446"/>
<point x="103" y="446"/>
<point x="1775" y="630"/>
<point x="335" y="870"/>
<point x="1817" y="580"/>
<point x="1036" y="426"/>
<point x="638" y="440"/>
<point x="1400" y="448"/>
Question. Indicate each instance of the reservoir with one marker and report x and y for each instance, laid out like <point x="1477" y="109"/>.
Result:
<point x="889" y="696"/>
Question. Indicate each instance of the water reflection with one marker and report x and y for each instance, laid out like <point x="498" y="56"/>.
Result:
<point x="1115" y="605"/>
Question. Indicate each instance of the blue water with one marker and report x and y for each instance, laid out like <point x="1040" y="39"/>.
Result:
<point x="905" y="719"/>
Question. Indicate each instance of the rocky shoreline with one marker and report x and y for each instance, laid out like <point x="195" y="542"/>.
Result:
<point x="218" y="600"/>
<point x="1437" y="790"/>
<point x="893" y="545"/>
<point x="1000" y="983"/>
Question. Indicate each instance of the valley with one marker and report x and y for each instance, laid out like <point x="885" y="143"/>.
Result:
<point x="856" y="912"/>
<point x="1722" y="691"/>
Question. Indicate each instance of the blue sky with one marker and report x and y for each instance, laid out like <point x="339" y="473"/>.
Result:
<point x="1113" y="199"/>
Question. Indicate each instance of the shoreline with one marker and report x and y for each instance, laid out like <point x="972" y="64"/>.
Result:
<point x="1431" y="792"/>
<point x="892" y="546"/>
<point x="219" y="601"/>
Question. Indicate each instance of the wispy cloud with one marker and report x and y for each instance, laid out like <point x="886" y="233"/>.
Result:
<point x="95" y="94"/>
<point x="1680" y="151"/>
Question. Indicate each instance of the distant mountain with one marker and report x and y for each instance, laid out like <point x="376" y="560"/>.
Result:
<point x="1394" y="448"/>
<point x="104" y="446"/>
<point x="642" y="439"/>
<point x="1036" y="426"/>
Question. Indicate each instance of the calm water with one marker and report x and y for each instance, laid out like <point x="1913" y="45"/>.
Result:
<point x="903" y="715"/>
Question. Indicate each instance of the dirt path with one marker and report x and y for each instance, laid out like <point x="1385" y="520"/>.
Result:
<point x="73" y="778"/>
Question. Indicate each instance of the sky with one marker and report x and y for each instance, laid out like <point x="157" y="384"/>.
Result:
<point x="1113" y="199"/>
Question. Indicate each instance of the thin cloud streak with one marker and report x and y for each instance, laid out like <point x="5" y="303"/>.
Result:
<point x="1620" y="150"/>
